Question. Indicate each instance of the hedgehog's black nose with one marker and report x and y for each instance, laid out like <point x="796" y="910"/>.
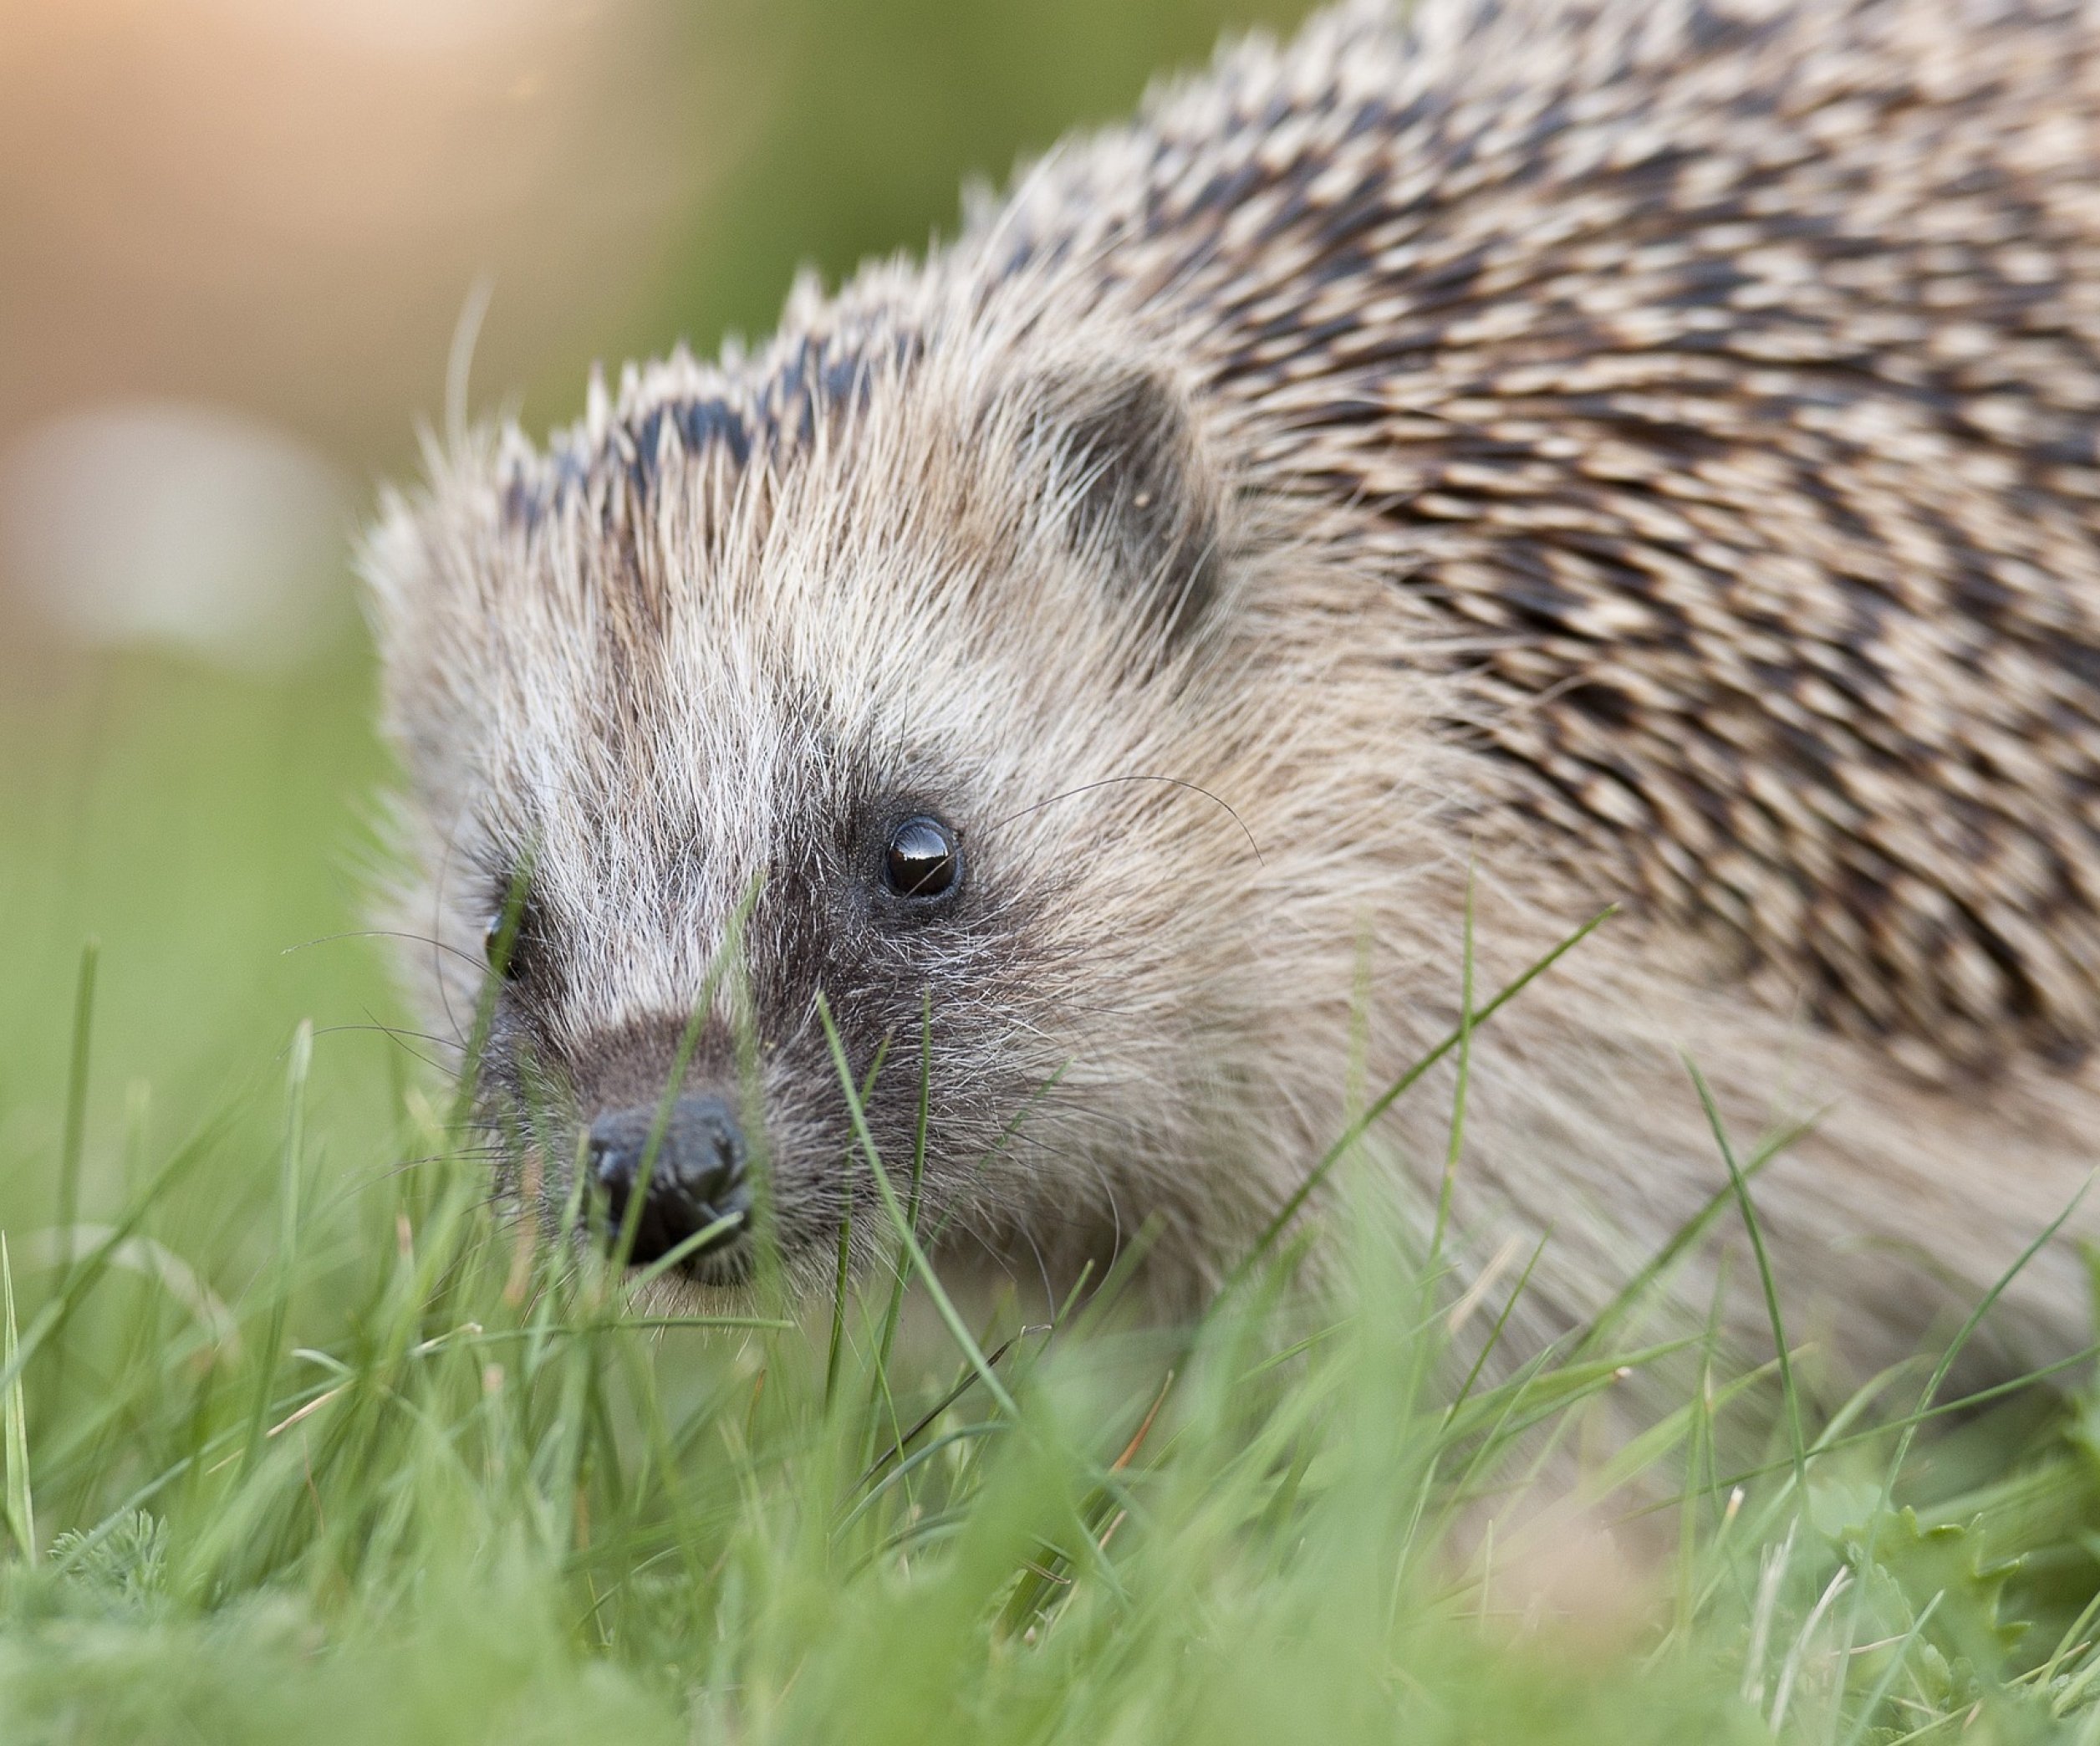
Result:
<point x="698" y="1178"/>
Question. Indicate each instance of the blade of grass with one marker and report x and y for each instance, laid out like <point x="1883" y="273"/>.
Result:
<point x="291" y="1164"/>
<point x="1789" y="1392"/>
<point x="1494" y="1334"/>
<point x="958" y="1330"/>
<point x="73" y="1144"/>
<point x="21" y="1514"/>
<point x="894" y="1311"/>
<point x="842" y="1281"/>
<point x="1457" y="1141"/>
<point x="1968" y="1328"/>
<point x="1700" y="1459"/>
<point x="1864" y="1719"/>
<point x="674" y="1256"/>
<point x="76" y="1107"/>
<point x="919" y="1427"/>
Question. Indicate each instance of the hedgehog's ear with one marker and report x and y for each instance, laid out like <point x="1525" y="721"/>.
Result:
<point x="1138" y="491"/>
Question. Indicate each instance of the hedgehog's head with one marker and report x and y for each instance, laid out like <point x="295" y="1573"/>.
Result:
<point x="869" y="715"/>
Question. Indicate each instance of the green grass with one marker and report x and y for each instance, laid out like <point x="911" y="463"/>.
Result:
<point x="299" y="1443"/>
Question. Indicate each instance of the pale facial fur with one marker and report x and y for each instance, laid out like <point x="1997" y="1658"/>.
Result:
<point x="923" y="612"/>
<point x="1268" y="524"/>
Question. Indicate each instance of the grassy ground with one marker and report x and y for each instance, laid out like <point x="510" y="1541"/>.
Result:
<point x="299" y="1443"/>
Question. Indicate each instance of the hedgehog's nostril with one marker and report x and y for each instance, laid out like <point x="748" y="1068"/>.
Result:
<point x="698" y="1177"/>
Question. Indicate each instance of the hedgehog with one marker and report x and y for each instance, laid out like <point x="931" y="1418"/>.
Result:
<point x="1117" y="691"/>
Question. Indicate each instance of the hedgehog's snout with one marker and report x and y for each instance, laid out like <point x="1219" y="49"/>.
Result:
<point x="698" y="1178"/>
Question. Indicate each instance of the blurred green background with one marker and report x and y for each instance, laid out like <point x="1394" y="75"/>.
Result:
<point x="235" y="238"/>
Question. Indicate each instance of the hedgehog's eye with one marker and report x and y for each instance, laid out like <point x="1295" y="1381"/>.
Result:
<point x="505" y="941"/>
<point x="924" y="861"/>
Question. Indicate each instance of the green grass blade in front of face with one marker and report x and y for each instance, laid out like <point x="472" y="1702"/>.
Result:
<point x="957" y="1328"/>
<point x="842" y="1282"/>
<point x="900" y="1270"/>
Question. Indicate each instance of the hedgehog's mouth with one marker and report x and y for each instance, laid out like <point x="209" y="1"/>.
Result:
<point x="723" y="1261"/>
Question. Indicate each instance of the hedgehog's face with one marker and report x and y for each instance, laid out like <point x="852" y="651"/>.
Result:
<point x="746" y="765"/>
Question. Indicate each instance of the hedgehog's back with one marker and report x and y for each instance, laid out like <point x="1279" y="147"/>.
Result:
<point x="1728" y="378"/>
